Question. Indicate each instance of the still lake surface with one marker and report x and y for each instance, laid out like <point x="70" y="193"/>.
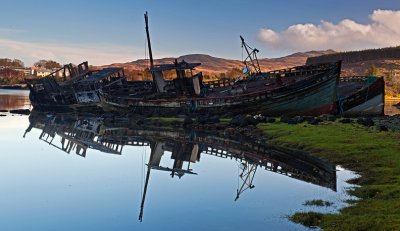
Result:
<point x="64" y="172"/>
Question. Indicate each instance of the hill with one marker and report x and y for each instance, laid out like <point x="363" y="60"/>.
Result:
<point x="296" y="59"/>
<point x="358" y="56"/>
<point x="214" y="66"/>
<point x="384" y="61"/>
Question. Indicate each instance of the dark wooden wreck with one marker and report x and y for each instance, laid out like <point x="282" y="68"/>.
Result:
<point x="303" y="90"/>
<point x="361" y="96"/>
<point x="356" y="95"/>
<point x="73" y="87"/>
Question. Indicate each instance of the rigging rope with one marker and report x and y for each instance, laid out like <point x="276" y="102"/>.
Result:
<point x="242" y="53"/>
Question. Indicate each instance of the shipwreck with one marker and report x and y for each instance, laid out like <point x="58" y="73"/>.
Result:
<point x="312" y="89"/>
<point x="73" y="88"/>
<point x="303" y="90"/>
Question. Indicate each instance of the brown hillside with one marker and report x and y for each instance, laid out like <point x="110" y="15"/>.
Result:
<point x="214" y="66"/>
<point x="358" y="56"/>
<point x="296" y="59"/>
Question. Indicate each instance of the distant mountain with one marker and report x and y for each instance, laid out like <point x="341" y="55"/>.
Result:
<point x="209" y="64"/>
<point x="296" y="59"/>
<point x="213" y="65"/>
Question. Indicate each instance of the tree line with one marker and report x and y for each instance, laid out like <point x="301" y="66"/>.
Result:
<point x="357" y="56"/>
<point x="10" y="75"/>
<point x="11" y="63"/>
<point x="16" y="63"/>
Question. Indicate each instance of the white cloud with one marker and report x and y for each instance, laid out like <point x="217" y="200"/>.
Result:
<point x="384" y="30"/>
<point x="96" y="54"/>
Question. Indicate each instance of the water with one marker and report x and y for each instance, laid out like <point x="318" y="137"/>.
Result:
<point x="14" y="99"/>
<point x="390" y="108"/>
<point x="65" y="172"/>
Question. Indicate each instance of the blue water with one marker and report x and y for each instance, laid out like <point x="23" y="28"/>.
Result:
<point x="44" y="188"/>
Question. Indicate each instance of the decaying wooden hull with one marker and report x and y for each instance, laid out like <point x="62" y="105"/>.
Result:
<point x="361" y="95"/>
<point x="308" y="90"/>
<point x="58" y="102"/>
<point x="73" y="88"/>
<point x="304" y="90"/>
<point x="372" y="107"/>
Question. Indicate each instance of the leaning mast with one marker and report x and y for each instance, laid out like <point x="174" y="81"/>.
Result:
<point x="252" y="56"/>
<point x="146" y="19"/>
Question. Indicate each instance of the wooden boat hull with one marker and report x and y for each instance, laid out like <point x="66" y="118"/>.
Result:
<point x="309" y="96"/>
<point x="367" y="101"/>
<point x="53" y="105"/>
<point x="374" y="106"/>
<point x="78" y="90"/>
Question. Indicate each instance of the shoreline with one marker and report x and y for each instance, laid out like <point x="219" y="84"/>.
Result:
<point x="372" y="154"/>
<point x="369" y="151"/>
<point x="15" y="87"/>
<point x="369" y="148"/>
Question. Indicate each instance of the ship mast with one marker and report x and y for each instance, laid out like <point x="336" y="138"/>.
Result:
<point x="154" y="160"/>
<point x="251" y="56"/>
<point x="146" y="19"/>
<point x="144" y="193"/>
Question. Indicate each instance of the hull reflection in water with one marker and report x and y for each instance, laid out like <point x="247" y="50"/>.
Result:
<point x="77" y="133"/>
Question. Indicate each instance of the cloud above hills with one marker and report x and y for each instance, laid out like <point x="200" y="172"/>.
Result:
<point x="383" y="31"/>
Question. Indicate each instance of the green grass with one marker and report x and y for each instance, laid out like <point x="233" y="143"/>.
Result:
<point x="225" y="121"/>
<point x="318" y="203"/>
<point x="309" y="219"/>
<point x="375" y="155"/>
<point x="170" y="120"/>
<point x="165" y="119"/>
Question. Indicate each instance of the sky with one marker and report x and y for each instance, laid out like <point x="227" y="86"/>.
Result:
<point x="105" y="32"/>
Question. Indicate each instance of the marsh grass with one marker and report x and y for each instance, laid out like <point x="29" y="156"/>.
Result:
<point x="320" y="203"/>
<point x="372" y="154"/>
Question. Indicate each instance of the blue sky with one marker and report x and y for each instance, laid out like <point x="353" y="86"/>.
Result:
<point x="113" y="31"/>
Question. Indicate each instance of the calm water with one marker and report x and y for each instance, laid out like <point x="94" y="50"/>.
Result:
<point x="64" y="172"/>
<point x="14" y="99"/>
<point x="390" y="109"/>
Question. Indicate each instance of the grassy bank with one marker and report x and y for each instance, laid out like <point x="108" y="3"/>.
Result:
<point x="375" y="155"/>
